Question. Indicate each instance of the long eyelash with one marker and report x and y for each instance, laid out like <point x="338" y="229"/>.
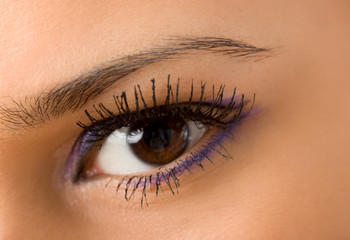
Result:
<point x="203" y="111"/>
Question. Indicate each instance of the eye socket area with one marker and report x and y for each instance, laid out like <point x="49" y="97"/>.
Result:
<point x="146" y="145"/>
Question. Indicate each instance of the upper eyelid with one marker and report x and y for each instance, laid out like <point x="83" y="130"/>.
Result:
<point x="218" y="109"/>
<point x="76" y="93"/>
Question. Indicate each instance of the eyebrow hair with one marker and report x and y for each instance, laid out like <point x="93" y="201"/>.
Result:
<point x="74" y="95"/>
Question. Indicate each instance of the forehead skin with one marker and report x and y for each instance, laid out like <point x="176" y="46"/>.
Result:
<point x="290" y="178"/>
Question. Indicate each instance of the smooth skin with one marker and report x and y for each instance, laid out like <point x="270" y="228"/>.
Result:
<point x="289" y="178"/>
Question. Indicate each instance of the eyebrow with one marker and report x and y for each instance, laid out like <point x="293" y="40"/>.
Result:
<point x="74" y="94"/>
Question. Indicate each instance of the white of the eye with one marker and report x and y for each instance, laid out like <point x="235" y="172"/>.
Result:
<point x="116" y="156"/>
<point x="196" y="131"/>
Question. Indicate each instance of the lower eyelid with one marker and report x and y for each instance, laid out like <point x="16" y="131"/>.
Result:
<point x="171" y="174"/>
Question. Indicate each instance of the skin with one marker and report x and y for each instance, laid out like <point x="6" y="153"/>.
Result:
<point x="289" y="177"/>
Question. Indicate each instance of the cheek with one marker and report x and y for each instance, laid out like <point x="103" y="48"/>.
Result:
<point x="295" y="178"/>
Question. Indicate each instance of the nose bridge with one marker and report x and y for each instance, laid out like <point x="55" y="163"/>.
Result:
<point x="11" y="210"/>
<point x="27" y="199"/>
<point x="16" y="197"/>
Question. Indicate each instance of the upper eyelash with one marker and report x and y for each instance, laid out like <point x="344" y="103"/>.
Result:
<point x="216" y="113"/>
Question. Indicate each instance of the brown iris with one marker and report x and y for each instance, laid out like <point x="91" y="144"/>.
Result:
<point x="160" y="141"/>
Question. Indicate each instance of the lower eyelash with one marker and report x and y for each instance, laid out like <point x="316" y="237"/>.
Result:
<point x="169" y="176"/>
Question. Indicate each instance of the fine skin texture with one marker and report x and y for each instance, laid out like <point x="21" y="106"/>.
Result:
<point x="289" y="177"/>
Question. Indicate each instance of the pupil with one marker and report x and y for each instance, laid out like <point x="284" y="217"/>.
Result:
<point x="159" y="142"/>
<point x="157" y="135"/>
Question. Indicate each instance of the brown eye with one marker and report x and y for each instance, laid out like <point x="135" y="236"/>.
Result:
<point x="143" y="146"/>
<point x="159" y="142"/>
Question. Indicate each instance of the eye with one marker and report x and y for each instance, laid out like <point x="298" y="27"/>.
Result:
<point x="150" y="144"/>
<point x="144" y="146"/>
